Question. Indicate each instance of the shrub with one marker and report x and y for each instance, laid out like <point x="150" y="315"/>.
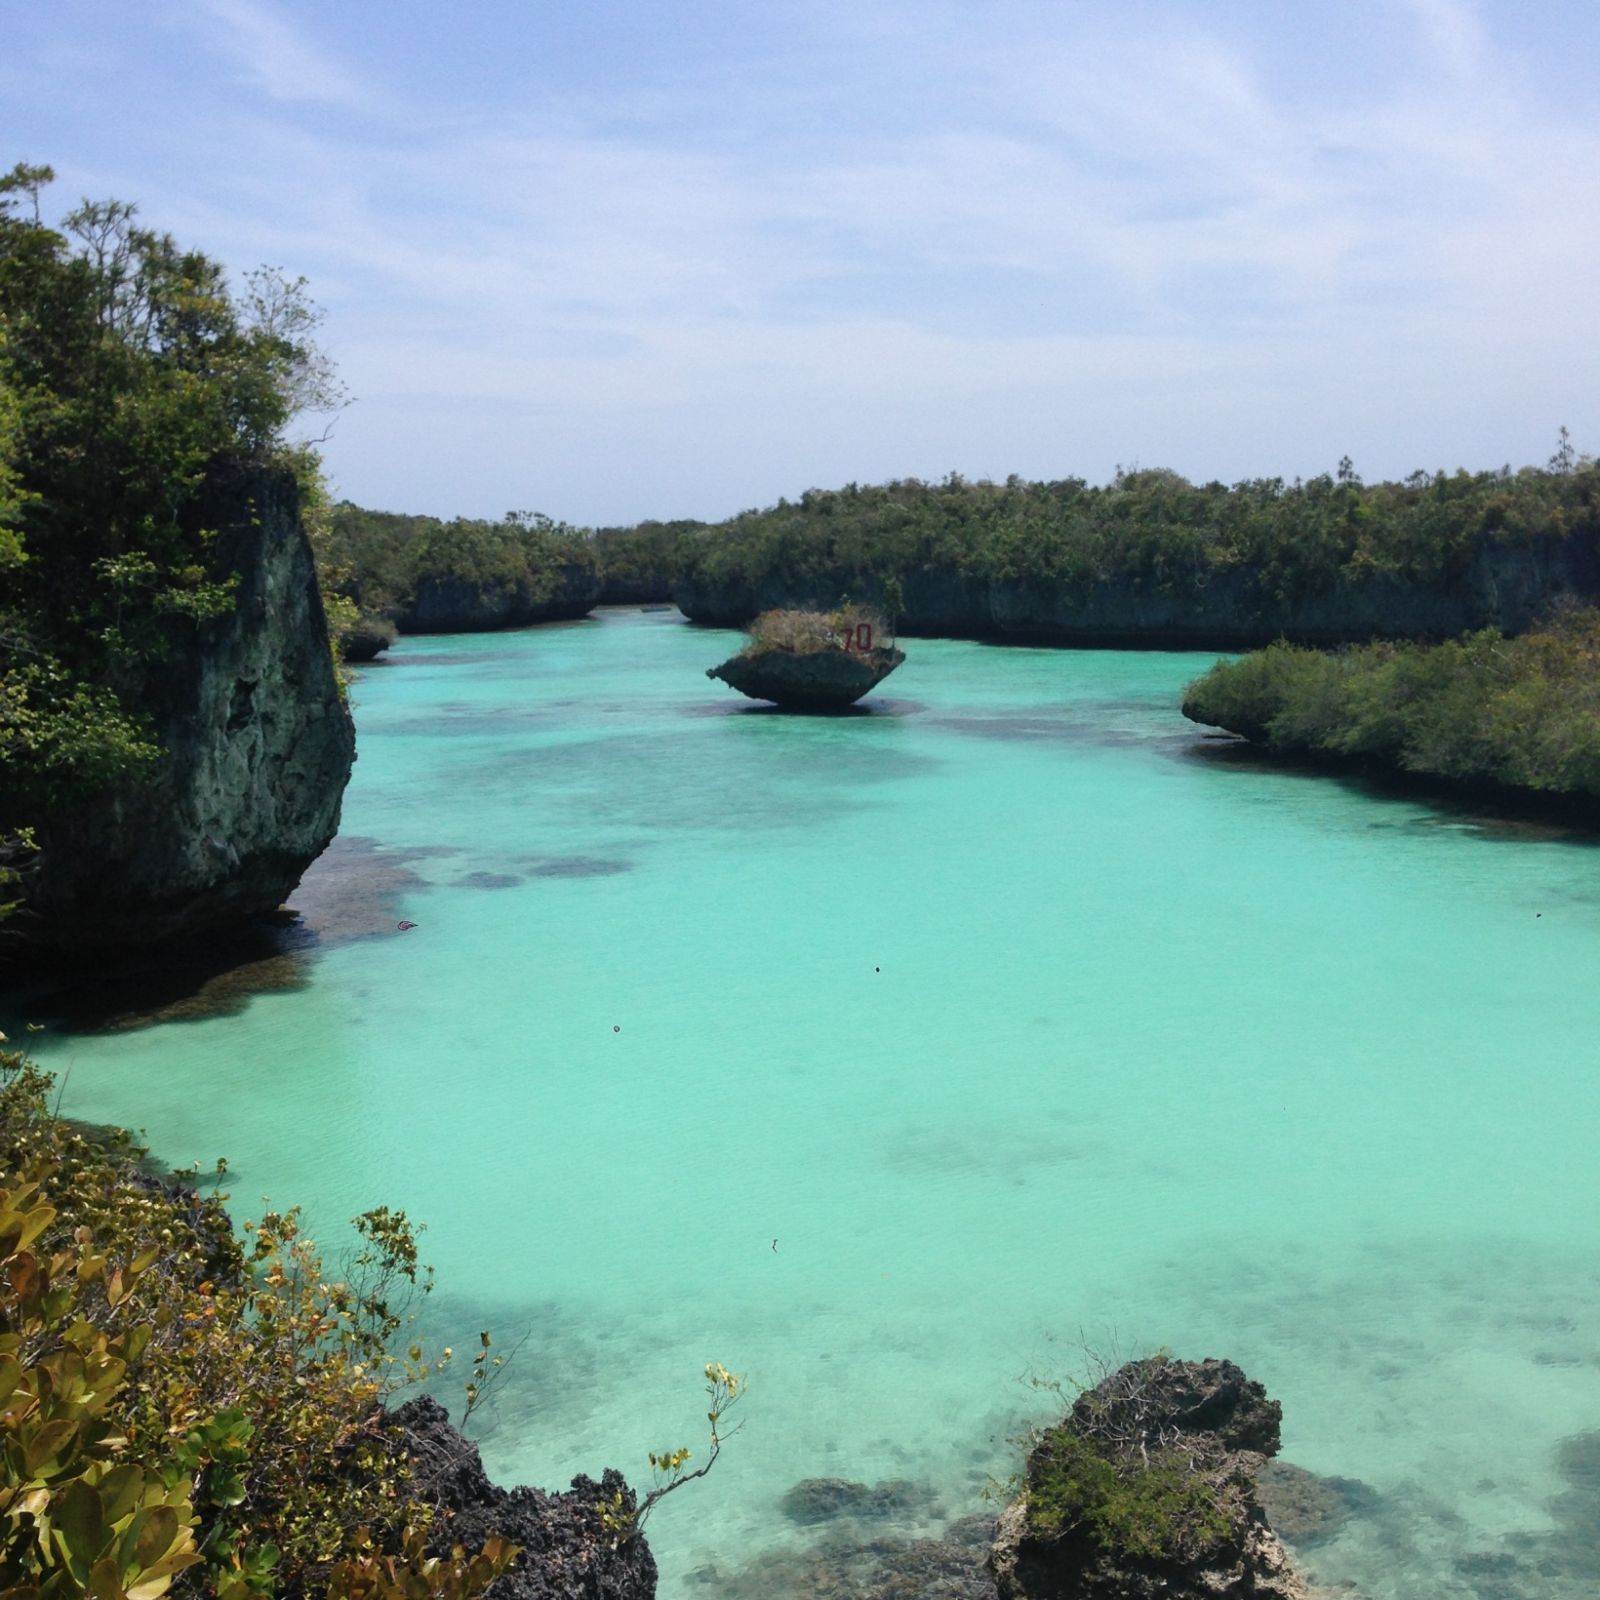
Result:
<point x="1151" y="1505"/>
<point x="671" y="1468"/>
<point x="810" y="632"/>
<point x="1523" y="712"/>
<point x="178" y="1407"/>
<point x="74" y="1519"/>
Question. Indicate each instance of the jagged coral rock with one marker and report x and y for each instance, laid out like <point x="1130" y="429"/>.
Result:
<point x="1147" y="1489"/>
<point x="568" y="1552"/>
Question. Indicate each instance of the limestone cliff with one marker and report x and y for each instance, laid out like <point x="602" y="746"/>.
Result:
<point x="449" y="604"/>
<point x="258" y="745"/>
<point x="1506" y="585"/>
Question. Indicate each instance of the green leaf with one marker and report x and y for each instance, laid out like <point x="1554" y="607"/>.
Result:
<point x="226" y="1488"/>
<point x="48" y="1444"/>
<point x="158" y="1536"/>
<point x="79" y="1529"/>
<point x="120" y="1490"/>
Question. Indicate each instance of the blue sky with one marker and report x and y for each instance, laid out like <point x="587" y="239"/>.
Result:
<point x="612" y="260"/>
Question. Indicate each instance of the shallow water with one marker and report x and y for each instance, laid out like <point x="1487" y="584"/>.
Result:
<point x="1018" y="1025"/>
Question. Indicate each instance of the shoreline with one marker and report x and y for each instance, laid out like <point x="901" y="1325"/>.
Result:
<point x="1496" y="806"/>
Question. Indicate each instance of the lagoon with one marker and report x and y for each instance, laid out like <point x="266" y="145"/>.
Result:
<point x="891" y="1058"/>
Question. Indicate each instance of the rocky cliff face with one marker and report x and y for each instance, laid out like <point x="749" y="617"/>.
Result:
<point x="1506" y="586"/>
<point x="258" y="748"/>
<point x="567" y="1551"/>
<point x="458" y="605"/>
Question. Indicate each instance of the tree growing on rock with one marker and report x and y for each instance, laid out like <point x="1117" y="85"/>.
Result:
<point x="128" y="370"/>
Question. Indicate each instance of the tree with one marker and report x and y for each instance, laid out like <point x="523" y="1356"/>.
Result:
<point x="128" y="370"/>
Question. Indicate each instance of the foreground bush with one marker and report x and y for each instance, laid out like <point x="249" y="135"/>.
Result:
<point x="1523" y="712"/>
<point x="180" y="1410"/>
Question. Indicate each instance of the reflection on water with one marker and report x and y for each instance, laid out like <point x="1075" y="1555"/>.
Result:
<point x="1431" y="803"/>
<point x="350" y="892"/>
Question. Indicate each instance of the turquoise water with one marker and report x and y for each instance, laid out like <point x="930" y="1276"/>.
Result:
<point x="1016" y="1023"/>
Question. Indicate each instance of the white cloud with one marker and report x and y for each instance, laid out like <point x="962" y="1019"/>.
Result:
<point x="1110" y="231"/>
<point x="280" y="59"/>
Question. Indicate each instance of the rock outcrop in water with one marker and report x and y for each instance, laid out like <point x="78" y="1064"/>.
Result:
<point x="1147" y="1489"/>
<point x="868" y="1562"/>
<point x="567" y="1551"/>
<point x="814" y="682"/>
<point x="825" y="1499"/>
<point x="810" y="660"/>
<point x="367" y="640"/>
<point x="258" y="746"/>
<point x="1306" y="1508"/>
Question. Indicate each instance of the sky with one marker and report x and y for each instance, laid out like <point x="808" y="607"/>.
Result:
<point x="617" y="259"/>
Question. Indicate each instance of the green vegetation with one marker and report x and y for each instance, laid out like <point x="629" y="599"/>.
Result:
<point x="1119" y="1470"/>
<point x="1149" y="528"/>
<point x="128" y="371"/>
<point x="1523" y="712"/>
<point x="1152" y="528"/>
<point x="671" y="1468"/>
<point x="182" y="1407"/>
<point x="640" y="561"/>
<point x="805" y="633"/>
<point x="372" y="555"/>
<point x="378" y="558"/>
<point x="1150" y="1506"/>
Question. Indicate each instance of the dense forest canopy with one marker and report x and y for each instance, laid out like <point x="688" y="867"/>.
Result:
<point x="1149" y="527"/>
<point x="377" y="558"/>
<point x="645" y="554"/>
<point x="1154" y="527"/>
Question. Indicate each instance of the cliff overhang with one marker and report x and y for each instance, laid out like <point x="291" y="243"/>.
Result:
<point x="257" y="745"/>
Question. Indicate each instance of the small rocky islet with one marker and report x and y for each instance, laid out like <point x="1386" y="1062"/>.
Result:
<point x="811" y="660"/>
<point x="1148" y="1489"/>
<point x="1158" y="1484"/>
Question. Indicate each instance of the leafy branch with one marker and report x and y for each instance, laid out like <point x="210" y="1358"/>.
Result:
<point x="724" y="1389"/>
